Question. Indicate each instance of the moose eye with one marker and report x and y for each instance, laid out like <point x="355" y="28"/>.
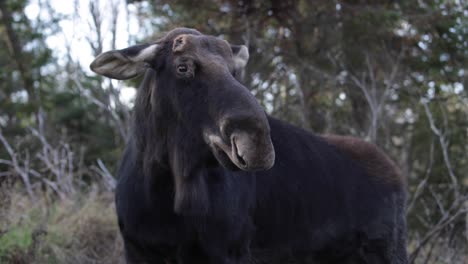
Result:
<point x="182" y="68"/>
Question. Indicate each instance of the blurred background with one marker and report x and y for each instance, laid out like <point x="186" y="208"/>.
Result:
<point x="392" y="72"/>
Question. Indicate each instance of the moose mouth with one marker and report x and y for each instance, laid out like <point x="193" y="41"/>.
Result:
<point x="242" y="152"/>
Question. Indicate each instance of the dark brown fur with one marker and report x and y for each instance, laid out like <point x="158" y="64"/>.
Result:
<point x="370" y="157"/>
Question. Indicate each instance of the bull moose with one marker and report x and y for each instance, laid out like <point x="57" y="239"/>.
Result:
<point x="208" y="177"/>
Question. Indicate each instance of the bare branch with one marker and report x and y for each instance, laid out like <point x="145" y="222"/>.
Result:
<point x="96" y="27"/>
<point x="446" y="220"/>
<point x="16" y="166"/>
<point x="423" y="184"/>
<point x="102" y="170"/>
<point x="444" y="146"/>
<point x="117" y="120"/>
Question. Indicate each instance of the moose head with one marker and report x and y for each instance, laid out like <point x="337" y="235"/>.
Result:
<point x="190" y="108"/>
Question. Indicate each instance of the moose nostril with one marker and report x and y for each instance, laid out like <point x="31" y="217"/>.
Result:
<point x="241" y="160"/>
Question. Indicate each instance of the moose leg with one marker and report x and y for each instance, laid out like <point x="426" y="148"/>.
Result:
<point x="134" y="255"/>
<point x="191" y="254"/>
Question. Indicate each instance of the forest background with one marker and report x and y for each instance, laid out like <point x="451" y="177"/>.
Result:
<point x="392" y="72"/>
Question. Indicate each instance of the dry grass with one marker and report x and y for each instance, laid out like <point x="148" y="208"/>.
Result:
<point x="81" y="229"/>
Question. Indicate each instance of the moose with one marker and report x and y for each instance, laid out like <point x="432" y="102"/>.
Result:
<point x="208" y="177"/>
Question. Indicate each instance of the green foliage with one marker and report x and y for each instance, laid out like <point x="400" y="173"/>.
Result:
<point x="16" y="239"/>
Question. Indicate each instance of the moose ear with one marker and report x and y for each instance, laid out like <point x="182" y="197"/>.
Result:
<point x="241" y="56"/>
<point x="125" y="63"/>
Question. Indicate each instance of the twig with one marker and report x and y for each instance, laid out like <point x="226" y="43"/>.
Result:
<point x="15" y="164"/>
<point x="102" y="170"/>
<point x="444" y="221"/>
<point x="444" y="147"/>
<point x="423" y="183"/>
